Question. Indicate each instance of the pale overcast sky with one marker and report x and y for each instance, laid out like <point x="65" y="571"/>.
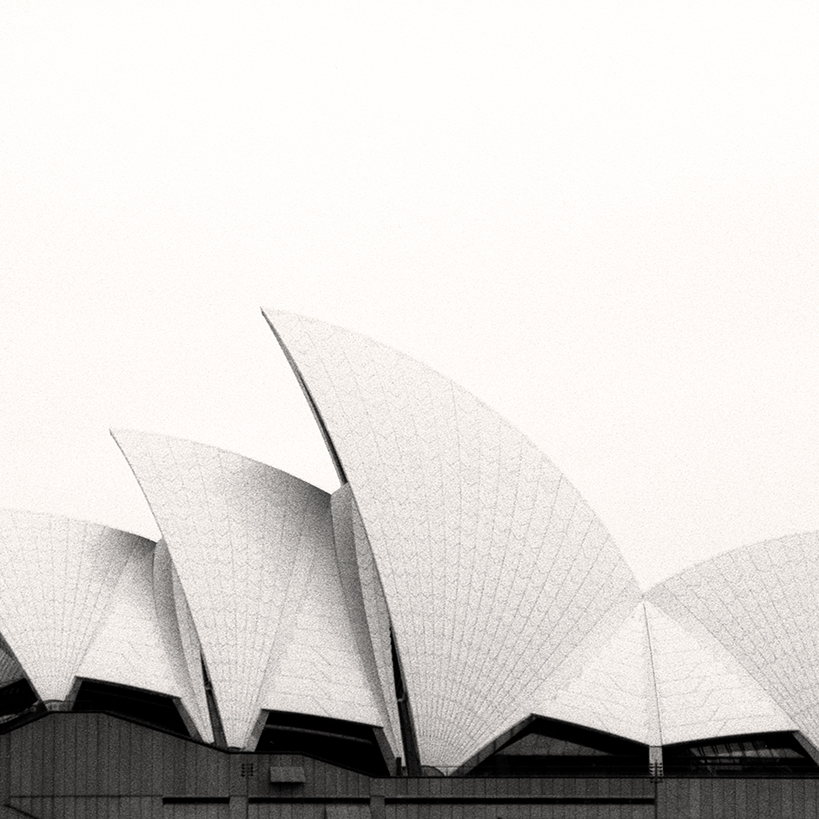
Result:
<point x="602" y="218"/>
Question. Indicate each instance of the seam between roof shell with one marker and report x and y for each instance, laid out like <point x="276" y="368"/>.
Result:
<point x="351" y="585"/>
<point x="392" y="433"/>
<point x="653" y="675"/>
<point x="386" y="687"/>
<point x="325" y="433"/>
<point x="171" y="635"/>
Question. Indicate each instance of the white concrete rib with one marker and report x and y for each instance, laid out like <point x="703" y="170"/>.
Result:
<point x="254" y="551"/>
<point x="494" y="569"/>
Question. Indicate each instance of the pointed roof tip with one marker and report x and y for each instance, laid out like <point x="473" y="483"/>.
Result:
<point x="119" y="433"/>
<point x="120" y="436"/>
<point x="276" y="316"/>
<point x="273" y="313"/>
<point x="272" y="316"/>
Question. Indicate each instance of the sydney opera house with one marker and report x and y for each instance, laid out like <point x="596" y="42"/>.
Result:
<point x="451" y="633"/>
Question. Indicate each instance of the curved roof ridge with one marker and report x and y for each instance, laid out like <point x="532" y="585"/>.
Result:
<point x="122" y="431"/>
<point x="73" y="519"/>
<point x="729" y="551"/>
<point x="267" y="312"/>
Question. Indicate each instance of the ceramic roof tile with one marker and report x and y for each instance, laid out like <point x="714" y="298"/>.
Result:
<point x="62" y="574"/>
<point x="759" y="604"/>
<point x="253" y="548"/>
<point x="453" y="501"/>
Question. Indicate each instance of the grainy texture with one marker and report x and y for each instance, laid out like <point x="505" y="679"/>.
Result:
<point x="254" y="551"/>
<point x="93" y="765"/>
<point x="760" y="604"/>
<point x="658" y="683"/>
<point x="62" y="574"/>
<point x="494" y="569"/>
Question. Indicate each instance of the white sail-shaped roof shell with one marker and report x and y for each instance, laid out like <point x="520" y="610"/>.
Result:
<point x="660" y="683"/>
<point x="614" y="689"/>
<point x="255" y="555"/>
<point x="702" y="690"/>
<point x="315" y="667"/>
<point x="56" y="588"/>
<point x="760" y="604"/>
<point x="127" y="647"/>
<point x="131" y="646"/>
<point x="493" y="567"/>
<point x="655" y="682"/>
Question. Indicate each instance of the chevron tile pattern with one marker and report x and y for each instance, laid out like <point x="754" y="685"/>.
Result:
<point x="483" y="547"/>
<point x="254" y="551"/>
<point x="62" y="573"/>
<point x="759" y="603"/>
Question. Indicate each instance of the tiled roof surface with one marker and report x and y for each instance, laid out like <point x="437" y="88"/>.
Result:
<point x="494" y="568"/>
<point x="254" y="550"/>
<point x="56" y="588"/>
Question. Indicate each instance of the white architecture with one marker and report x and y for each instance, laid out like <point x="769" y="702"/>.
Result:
<point x="452" y="589"/>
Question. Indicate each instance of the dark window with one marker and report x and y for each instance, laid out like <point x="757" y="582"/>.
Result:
<point x="346" y="744"/>
<point x="147" y="707"/>
<point x="773" y="754"/>
<point x="547" y="747"/>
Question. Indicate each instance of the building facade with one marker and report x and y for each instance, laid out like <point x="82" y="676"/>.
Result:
<point x="450" y="633"/>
